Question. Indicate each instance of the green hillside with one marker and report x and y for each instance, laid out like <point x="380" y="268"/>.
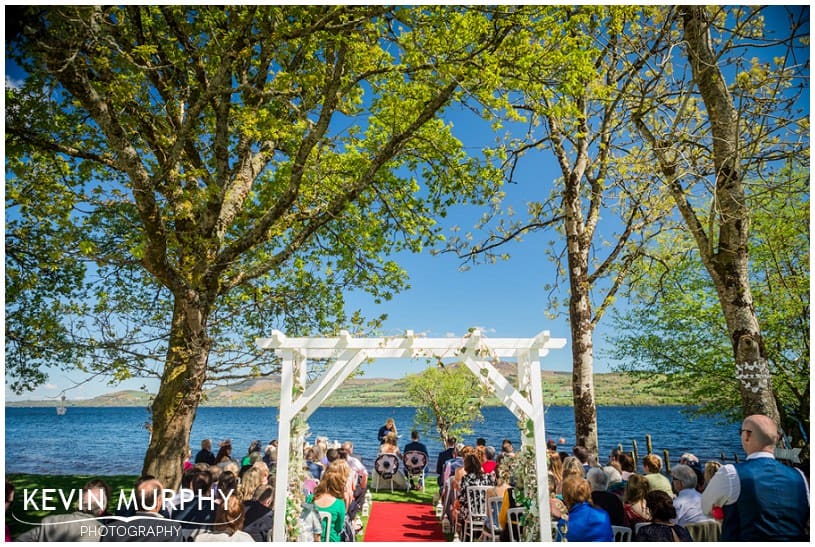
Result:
<point x="611" y="389"/>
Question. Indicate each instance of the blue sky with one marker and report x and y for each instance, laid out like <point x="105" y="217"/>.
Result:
<point x="506" y="299"/>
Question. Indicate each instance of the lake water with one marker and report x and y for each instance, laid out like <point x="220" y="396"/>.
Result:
<point x="110" y="441"/>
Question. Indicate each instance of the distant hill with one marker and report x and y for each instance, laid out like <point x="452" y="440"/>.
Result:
<point x="611" y="389"/>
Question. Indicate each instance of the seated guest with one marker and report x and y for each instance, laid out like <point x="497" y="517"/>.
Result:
<point x="598" y="481"/>
<point x="652" y="464"/>
<point x="572" y="466"/>
<point x="473" y="476"/>
<point x="224" y="454"/>
<point x="390" y="446"/>
<point x="582" y="454"/>
<point x="81" y="525"/>
<point x="626" y="465"/>
<point x="229" y="520"/>
<point x="205" y="455"/>
<point x="616" y="484"/>
<point x="507" y="451"/>
<point x="199" y="512"/>
<point x="149" y="525"/>
<point x="662" y="512"/>
<point x="555" y="467"/>
<point x="358" y="479"/>
<point x="446" y="455"/>
<point x="688" y="501"/>
<point x="258" y="517"/>
<point x="415" y="446"/>
<point x="634" y="504"/>
<point x="585" y="522"/>
<point x="329" y="497"/>
<point x="489" y="463"/>
<point x="270" y="453"/>
<point x="761" y="498"/>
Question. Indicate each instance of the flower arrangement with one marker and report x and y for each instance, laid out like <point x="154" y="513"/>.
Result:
<point x="296" y="496"/>
<point x="522" y="472"/>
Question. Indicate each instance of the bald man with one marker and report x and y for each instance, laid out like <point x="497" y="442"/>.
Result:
<point x="762" y="499"/>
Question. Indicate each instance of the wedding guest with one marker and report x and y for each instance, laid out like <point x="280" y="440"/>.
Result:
<point x="359" y="479"/>
<point x="205" y="455"/>
<point x="473" y="476"/>
<point x="636" y="510"/>
<point x="662" y="511"/>
<point x="149" y="524"/>
<point x="446" y="455"/>
<point x="762" y="499"/>
<point x="585" y="522"/>
<point x="258" y="516"/>
<point x="652" y="464"/>
<point x="329" y="497"/>
<point x="229" y="518"/>
<point x="82" y="524"/>
<point x="688" y="501"/>
<point x="598" y="481"/>
<point x="627" y="466"/>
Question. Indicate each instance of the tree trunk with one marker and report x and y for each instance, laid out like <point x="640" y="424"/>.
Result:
<point x="175" y="404"/>
<point x="728" y="266"/>
<point x="585" y="412"/>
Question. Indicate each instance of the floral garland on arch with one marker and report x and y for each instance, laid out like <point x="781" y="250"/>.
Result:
<point x="296" y="495"/>
<point x="522" y="472"/>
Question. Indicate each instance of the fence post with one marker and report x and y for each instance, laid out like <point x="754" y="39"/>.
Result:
<point x="667" y="458"/>
<point x="648" y="444"/>
<point x="636" y="455"/>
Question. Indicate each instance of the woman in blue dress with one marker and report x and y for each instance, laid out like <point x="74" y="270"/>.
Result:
<point x="585" y="522"/>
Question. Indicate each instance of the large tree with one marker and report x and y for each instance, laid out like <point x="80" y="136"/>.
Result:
<point x="709" y="126"/>
<point x="448" y="399"/>
<point x="675" y="329"/>
<point x="600" y="200"/>
<point x="219" y="171"/>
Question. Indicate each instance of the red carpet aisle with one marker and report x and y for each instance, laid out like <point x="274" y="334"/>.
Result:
<point x="403" y="522"/>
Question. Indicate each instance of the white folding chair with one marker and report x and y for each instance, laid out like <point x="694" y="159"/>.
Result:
<point x="415" y="463"/>
<point x="514" y="517"/>
<point x="325" y="525"/>
<point x="621" y="533"/>
<point x="476" y="497"/>
<point x="386" y="466"/>
<point x="492" y="529"/>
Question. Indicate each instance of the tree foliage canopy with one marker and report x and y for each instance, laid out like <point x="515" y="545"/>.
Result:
<point x="448" y="400"/>
<point x="264" y="159"/>
<point x="676" y="328"/>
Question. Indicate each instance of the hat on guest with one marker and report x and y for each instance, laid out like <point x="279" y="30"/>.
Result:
<point x="225" y="442"/>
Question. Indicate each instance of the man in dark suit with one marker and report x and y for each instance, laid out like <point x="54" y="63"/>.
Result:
<point x="415" y="446"/>
<point x="444" y="457"/>
<point x="205" y="455"/>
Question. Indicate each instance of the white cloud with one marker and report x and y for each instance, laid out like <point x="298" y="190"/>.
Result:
<point x="13" y="83"/>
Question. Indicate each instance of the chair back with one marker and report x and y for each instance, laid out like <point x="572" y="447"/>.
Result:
<point x="706" y="530"/>
<point x="325" y="525"/>
<point x="639" y="525"/>
<point x="415" y="461"/>
<point x="477" y="501"/>
<point x="387" y="465"/>
<point x="514" y="518"/>
<point x="621" y="533"/>
<point x="493" y="510"/>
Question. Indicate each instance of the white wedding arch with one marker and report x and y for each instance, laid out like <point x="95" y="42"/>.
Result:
<point x="346" y="353"/>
